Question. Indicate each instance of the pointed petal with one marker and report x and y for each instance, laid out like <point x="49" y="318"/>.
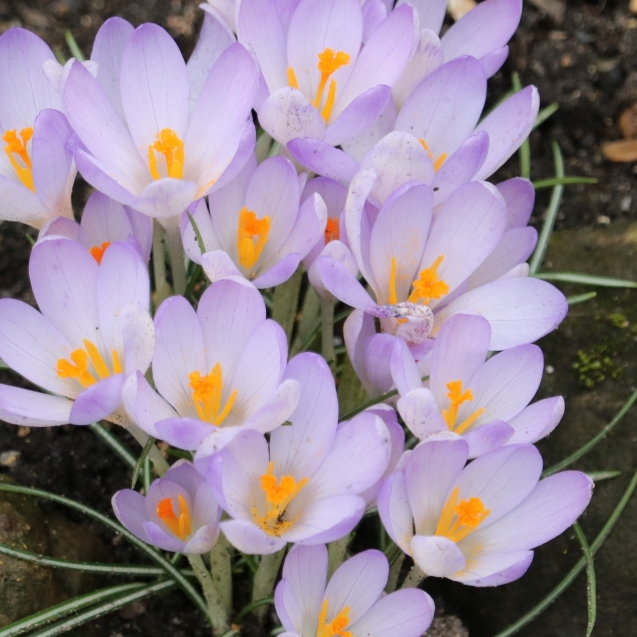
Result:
<point x="33" y="409"/>
<point x="437" y="556"/>
<point x="420" y="412"/>
<point x="323" y="159"/>
<point x="247" y="538"/>
<point x="494" y="569"/>
<point x="537" y="420"/>
<point x="98" y="401"/>
<point x="485" y="438"/>
<point x="395" y="512"/>
<point x="519" y="197"/>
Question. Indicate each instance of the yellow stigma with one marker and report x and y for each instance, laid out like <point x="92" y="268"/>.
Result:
<point x="428" y="286"/>
<point x="337" y="626"/>
<point x="292" y="81"/>
<point x="171" y="147"/>
<point x="78" y="368"/>
<point x="97" y="252"/>
<point x="252" y="237"/>
<point x="458" y="519"/>
<point x="437" y="162"/>
<point x="179" y="525"/>
<point x="16" y="151"/>
<point x="206" y="396"/>
<point x="392" y="299"/>
<point x="332" y="230"/>
<point x="457" y="397"/>
<point x="278" y="495"/>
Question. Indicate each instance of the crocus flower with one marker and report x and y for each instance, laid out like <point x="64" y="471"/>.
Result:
<point x="104" y="222"/>
<point x="477" y="524"/>
<point x="484" y="402"/>
<point x="418" y="269"/>
<point x="305" y="485"/>
<point x="256" y="226"/>
<point x="158" y="156"/>
<point x="218" y="370"/>
<point x="36" y="169"/>
<point x="352" y="603"/>
<point x="178" y="514"/>
<point x="93" y="331"/>
<point x="321" y="83"/>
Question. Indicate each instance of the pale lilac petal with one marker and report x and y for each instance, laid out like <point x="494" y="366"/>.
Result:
<point x="493" y="61"/>
<point x="485" y="438"/>
<point x="278" y="410"/>
<point x="357" y="147"/>
<point x="183" y="433"/>
<point x="165" y="198"/>
<point x="404" y="370"/>
<point x="323" y="159"/>
<point x="138" y="338"/>
<point x="199" y="212"/>
<point x="407" y="613"/>
<point x="64" y="227"/>
<point x="19" y="203"/>
<point x="287" y="114"/>
<point x="218" y="265"/>
<point x="495" y="569"/>
<point x="104" y="220"/>
<point x="430" y="12"/>
<point x="395" y="512"/>
<point x="537" y="420"/>
<point x="162" y="539"/>
<point x="248" y="538"/>
<point x="374" y="12"/>
<point x="202" y="541"/>
<point x="98" y="401"/>
<point x="519" y="197"/>
<point x="421" y="414"/>
<point x="278" y="273"/>
<point x="357" y="329"/>
<point x="508" y="125"/>
<point x="130" y="509"/>
<point x="378" y="352"/>
<point x="519" y="310"/>
<point x="343" y="284"/>
<point x="32" y="409"/>
<point x="437" y="556"/>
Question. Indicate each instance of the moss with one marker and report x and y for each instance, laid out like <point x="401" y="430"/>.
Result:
<point x="595" y="365"/>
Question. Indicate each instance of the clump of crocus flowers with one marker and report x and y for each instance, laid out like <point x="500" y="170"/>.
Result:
<point x="366" y="168"/>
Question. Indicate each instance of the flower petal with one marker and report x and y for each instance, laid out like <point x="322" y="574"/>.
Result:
<point x="32" y="409"/>
<point x="420" y="412"/>
<point x="494" y="569"/>
<point x="437" y="556"/>
<point x="537" y="420"/>
<point x="485" y="438"/>
<point x="519" y="197"/>
<point x="395" y="512"/>
<point x="323" y="159"/>
<point x="130" y="509"/>
<point x="248" y="538"/>
<point x="98" y="401"/>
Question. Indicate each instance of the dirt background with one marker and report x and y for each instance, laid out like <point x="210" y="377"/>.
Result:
<point x="587" y="62"/>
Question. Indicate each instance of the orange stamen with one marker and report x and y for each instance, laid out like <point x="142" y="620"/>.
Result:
<point x="428" y="286"/>
<point x="97" y="252"/>
<point x="78" y="368"/>
<point x="252" y="236"/>
<point x="171" y="147"/>
<point x="337" y="626"/>
<point x="179" y="525"/>
<point x="457" y="397"/>
<point x="437" y="162"/>
<point x="16" y="151"/>
<point x="329" y="62"/>
<point x="206" y="396"/>
<point x="469" y="515"/>
<point x="332" y="229"/>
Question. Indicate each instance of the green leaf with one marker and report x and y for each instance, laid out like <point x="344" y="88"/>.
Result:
<point x="545" y="113"/>
<point x="114" y="443"/>
<point x="185" y="585"/>
<point x="551" y="213"/>
<point x="251" y="606"/>
<point x="195" y="227"/>
<point x="75" y="50"/>
<point x="591" y="589"/>
<point x="584" y="449"/>
<point x="598" y="476"/>
<point x="586" y="279"/>
<point x="563" y="181"/>
<point x="580" y="298"/>
<point x="138" y="465"/>
<point x="525" y="148"/>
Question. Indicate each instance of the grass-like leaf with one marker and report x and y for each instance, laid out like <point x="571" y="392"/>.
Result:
<point x="563" y="181"/>
<point x="114" y="443"/>
<point x="580" y="298"/>
<point x="545" y="113"/>
<point x="140" y="462"/>
<point x="586" y="279"/>
<point x="525" y="149"/>
<point x="591" y="588"/>
<point x="74" y="48"/>
<point x="598" y="476"/>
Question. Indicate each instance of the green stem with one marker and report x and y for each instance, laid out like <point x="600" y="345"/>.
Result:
<point x="394" y="573"/>
<point x="221" y="570"/>
<point x="264" y="580"/>
<point x="216" y="609"/>
<point x="176" y="251"/>
<point x="159" y="262"/>
<point x="327" y="332"/>
<point x="159" y="462"/>
<point x="414" y="577"/>
<point x="336" y="552"/>
<point x="286" y="302"/>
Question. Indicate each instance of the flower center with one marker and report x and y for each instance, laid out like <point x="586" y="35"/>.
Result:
<point x="428" y="285"/>
<point x="329" y="61"/>
<point x="16" y="151"/>
<point x="278" y="495"/>
<point x="437" y="162"/>
<point x="206" y="396"/>
<point x="457" y="397"/>
<point x="179" y="525"/>
<point x="171" y="147"/>
<point x="332" y="230"/>
<point x="97" y="252"/>
<point x="78" y="368"/>
<point x="252" y="237"/>
<point x="458" y="519"/>
<point x="337" y="626"/>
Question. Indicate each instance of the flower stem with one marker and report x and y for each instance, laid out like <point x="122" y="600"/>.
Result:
<point x="159" y="462"/>
<point x="221" y="570"/>
<point x="394" y="573"/>
<point x="264" y="580"/>
<point x="327" y="332"/>
<point x="336" y="551"/>
<point x="216" y="609"/>
<point x="414" y="577"/>
<point x="159" y="262"/>
<point x="176" y="251"/>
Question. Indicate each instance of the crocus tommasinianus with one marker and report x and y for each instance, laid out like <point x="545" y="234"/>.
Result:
<point x="418" y="267"/>
<point x="104" y="221"/>
<point x="217" y="370"/>
<point x="305" y="485"/>
<point x="178" y="514"/>
<point x="159" y="157"/>
<point x="36" y="169"/>
<point x="321" y="83"/>
<point x="484" y="402"/>
<point x="256" y="226"/>
<point x="477" y="524"/>
<point x="352" y="603"/>
<point x="93" y="331"/>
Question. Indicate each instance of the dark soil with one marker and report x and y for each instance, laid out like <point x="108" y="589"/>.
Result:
<point x="587" y="65"/>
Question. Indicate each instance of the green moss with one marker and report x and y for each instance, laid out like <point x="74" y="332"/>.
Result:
<point x="596" y="364"/>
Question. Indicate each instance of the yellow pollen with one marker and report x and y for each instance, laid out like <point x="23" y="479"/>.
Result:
<point x="179" y="525"/>
<point x="97" y="252"/>
<point x="16" y="151"/>
<point x="457" y="397"/>
<point x="206" y="396"/>
<point x="278" y="495"/>
<point x="252" y="237"/>
<point x="329" y="62"/>
<point x="337" y="626"/>
<point x="437" y="162"/>
<point x="171" y="147"/>
<point x="458" y="519"/>
<point x="392" y="299"/>
<point x="78" y="368"/>
<point x="428" y="286"/>
<point x="332" y="229"/>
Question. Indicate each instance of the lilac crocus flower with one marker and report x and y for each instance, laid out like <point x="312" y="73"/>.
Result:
<point x="418" y="267"/>
<point x="321" y="84"/>
<point x="36" y="169"/>
<point x="478" y="524"/>
<point x="256" y="226"/>
<point x="218" y="370"/>
<point x="304" y="486"/>
<point x="93" y="331"/>
<point x="352" y="603"/>
<point x="104" y="222"/>
<point x="156" y="155"/>
<point x="484" y="402"/>
<point x="178" y="514"/>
